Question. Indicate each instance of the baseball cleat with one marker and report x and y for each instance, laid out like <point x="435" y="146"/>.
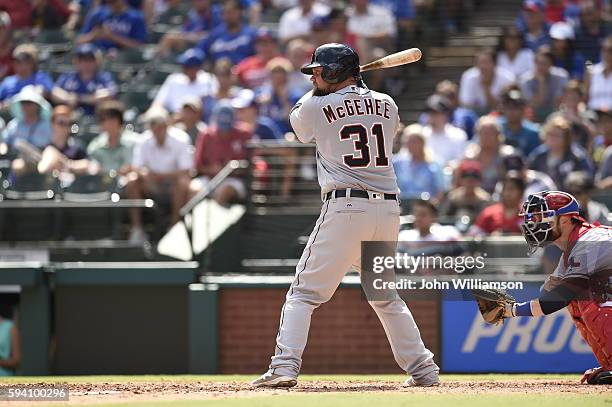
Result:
<point x="410" y="382"/>
<point x="274" y="380"/>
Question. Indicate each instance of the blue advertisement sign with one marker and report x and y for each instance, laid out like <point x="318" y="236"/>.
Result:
<point x="526" y="344"/>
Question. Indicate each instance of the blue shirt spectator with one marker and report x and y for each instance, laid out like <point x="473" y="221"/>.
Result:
<point x="114" y="25"/>
<point x="31" y="121"/>
<point x="401" y="9"/>
<point x="26" y="73"/>
<point x="532" y="23"/>
<point x="591" y="32"/>
<point x="198" y="21"/>
<point x="518" y="131"/>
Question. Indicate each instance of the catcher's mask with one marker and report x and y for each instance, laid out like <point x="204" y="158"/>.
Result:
<point x="539" y="212"/>
<point x="338" y="61"/>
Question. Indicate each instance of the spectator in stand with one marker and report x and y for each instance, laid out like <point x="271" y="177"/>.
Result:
<point x="604" y="174"/>
<point x="554" y="10"/>
<point x="299" y="53"/>
<point x="49" y="14"/>
<point x="599" y="79"/>
<point x="233" y="39"/>
<point x="512" y="54"/>
<point x="25" y="58"/>
<point x="87" y="85"/>
<point x="591" y="32"/>
<point x="252" y="72"/>
<point x="179" y="12"/>
<point x="502" y="218"/>
<point x="223" y="141"/>
<point x="296" y="22"/>
<point x="512" y="159"/>
<point x="558" y="156"/>
<point x="486" y="150"/>
<point x="417" y="176"/>
<point x="533" y="25"/>
<point x="320" y="31"/>
<point x="20" y="13"/>
<point x="10" y="345"/>
<point x="189" y="118"/>
<point x="460" y="116"/>
<point x="403" y="11"/>
<point x="426" y="228"/>
<point x="563" y="50"/>
<point x="445" y="141"/>
<point x="192" y="81"/>
<point x="112" y="149"/>
<point x="6" y="45"/>
<point x="573" y="109"/>
<point x="580" y="185"/>
<point x="31" y="121"/>
<point x="543" y="86"/>
<point x="338" y="26"/>
<point x="518" y="131"/>
<point x="199" y="21"/>
<point x="467" y="198"/>
<point x="276" y="99"/>
<point x="246" y="109"/>
<point x="162" y="163"/>
<point x="114" y="25"/>
<point x="227" y="88"/>
<point x="482" y="85"/>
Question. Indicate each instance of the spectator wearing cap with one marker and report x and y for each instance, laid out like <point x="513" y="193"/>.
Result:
<point x="460" y="116"/>
<point x="114" y="25"/>
<point x="543" y="86"/>
<point x="592" y="31"/>
<point x="417" y="175"/>
<point x="558" y="156"/>
<point x="191" y="81"/>
<point x="512" y="159"/>
<point x="224" y="140"/>
<point x="563" y="50"/>
<point x="199" y="21"/>
<point x="502" y="218"/>
<point x="554" y="10"/>
<point x="445" y="141"/>
<point x="276" y="99"/>
<point x="226" y="90"/>
<point x="6" y="45"/>
<point x="162" y="163"/>
<point x="512" y="55"/>
<point x="246" y="109"/>
<point x="580" y="185"/>
<point x="233" y="39"/>
<point x="297" y="21"/>
<point x="482" y="85"/>
<point x="189" y="119"/>
<point x="20" y="12"/>
<point x="533" y="25"/>
<point x="112" y="149"/>
<point x="87" y="84"/>
<point x="604" y="173"/>
<point x="321" y="31"/>
<point x="518" y="131"/>
<point x="252" y="72"/>
<point x="467" y="198"/>
<point x="25" y="58"/>
<point x="486" y="150"/>
<point x="31" y="121"/>
<point x="299" y="53"/>
<point x="598" y="81"/>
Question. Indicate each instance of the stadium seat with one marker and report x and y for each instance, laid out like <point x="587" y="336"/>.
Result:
<point x="137" y="99"/>
<point x="32" y="186"/>
<point x="89" y="188"/>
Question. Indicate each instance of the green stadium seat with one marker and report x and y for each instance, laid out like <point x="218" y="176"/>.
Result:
<point x="138" y="99"/>
<point x="32" y="186"/>
<point x="51" y="37"/>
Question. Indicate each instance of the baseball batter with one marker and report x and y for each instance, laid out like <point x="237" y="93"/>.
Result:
<point x="582" y="281"/>
<point x="353" y="128"/>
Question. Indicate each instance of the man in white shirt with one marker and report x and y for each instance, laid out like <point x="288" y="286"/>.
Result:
<point x="296" y="22"/>
<point x="192" y="81"/>
<point x="162" y="163"/>
<point x="445" y="141"/>
<point x="482" y="84"/>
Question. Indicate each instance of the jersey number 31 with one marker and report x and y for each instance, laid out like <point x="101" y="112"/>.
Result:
<point x="359" y="134"/>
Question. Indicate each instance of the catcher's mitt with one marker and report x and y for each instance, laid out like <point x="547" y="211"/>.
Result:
<point x="494" y="305"/>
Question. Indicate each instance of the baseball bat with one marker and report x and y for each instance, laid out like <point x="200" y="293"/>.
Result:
<point x="404" y="57"/>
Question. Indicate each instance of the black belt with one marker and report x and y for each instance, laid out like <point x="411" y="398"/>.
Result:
<point x="358" y="193"/>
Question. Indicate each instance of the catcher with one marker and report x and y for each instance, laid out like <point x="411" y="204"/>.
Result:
<point x="581" y="282"/>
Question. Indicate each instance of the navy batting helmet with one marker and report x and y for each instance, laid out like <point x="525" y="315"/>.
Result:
<point x="338" y="61"/>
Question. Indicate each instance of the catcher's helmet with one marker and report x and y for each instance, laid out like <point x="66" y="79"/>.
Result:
<point x="338" y="61"/>
<point x="539" y="211"/>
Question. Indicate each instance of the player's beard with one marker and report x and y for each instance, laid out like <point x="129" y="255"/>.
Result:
<point x="316" y="91"/>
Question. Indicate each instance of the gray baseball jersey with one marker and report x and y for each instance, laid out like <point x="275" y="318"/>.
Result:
<point x="353" y="129"/>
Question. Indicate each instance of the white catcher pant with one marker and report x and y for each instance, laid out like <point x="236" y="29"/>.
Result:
<point x="333" y="247"/>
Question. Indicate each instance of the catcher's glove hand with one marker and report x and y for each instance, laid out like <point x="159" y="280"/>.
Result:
<point x="494" y="305"/>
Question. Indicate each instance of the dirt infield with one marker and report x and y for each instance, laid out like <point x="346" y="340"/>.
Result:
<point x="110" y="392"/>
